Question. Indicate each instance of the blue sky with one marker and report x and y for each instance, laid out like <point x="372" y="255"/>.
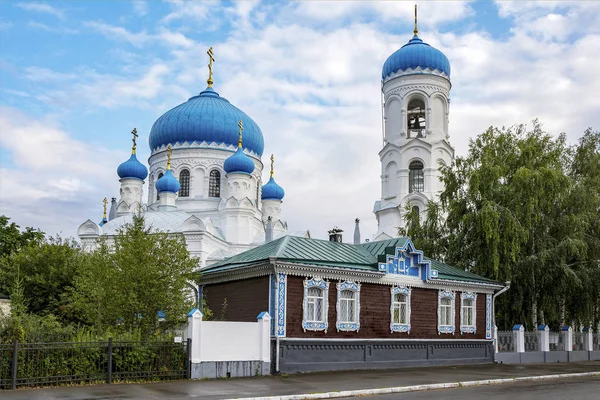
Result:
<point x="76" y="77"/>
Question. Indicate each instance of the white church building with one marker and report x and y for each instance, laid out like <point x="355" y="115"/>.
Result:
<point x="205" y="175"/>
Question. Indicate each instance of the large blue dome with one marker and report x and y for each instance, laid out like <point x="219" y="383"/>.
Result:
<point x="208" y="118"/>
<point x="168" y="183"/>
<point x="132" y="168"/>
<point x="239" y="162"/>
<point x="413" y="54"/>
<point x="272" y="191"/>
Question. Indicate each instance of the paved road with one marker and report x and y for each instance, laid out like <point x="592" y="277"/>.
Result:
<point x="297" y="384"/>
<point x="580" y="389"/>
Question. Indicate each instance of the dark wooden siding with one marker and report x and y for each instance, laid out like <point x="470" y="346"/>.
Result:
<point x="245" y="299"/>
<point x="375" y="314"/>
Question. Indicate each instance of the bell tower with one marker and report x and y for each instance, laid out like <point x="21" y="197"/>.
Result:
<point x="416" y="99"/>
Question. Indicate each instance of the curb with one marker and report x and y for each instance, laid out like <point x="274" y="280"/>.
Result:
<point x="417" y="388"/>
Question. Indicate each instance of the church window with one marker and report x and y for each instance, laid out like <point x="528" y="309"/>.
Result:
<point x="184" y="181"/>
<point x="445" y="312"/>
<point x="400" y="309"/>
<point x="467" y="312"/>
<point x="214" y="184"/>
<point x="157" y="192"/>
<point x="348" y="306"/>
<point x="416" y="119"/>
<point x="315" y="305"/>
<point x="257" y="192"/>
<point x="416" y="178"/>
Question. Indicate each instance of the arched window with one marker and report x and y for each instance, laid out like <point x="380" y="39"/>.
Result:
<point x="416" y="179"/>
<point x="184" y="181"/>
<point x="157" y="192"/>
<point x="416" y="211"/>
<point x="416" y="119"/>
<point x="214" y="184"/>
<point x="257" y="192"/>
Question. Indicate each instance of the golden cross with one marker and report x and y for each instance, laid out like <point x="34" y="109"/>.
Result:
<point x="416" y="31"/>
<point x="241" y="125"/>
<point x="272" y="162"/>
<point x="135" y="135"/>
<point x="169" y="151"/>
<point x="210" y="71"/>
<point x="105" y="201"/>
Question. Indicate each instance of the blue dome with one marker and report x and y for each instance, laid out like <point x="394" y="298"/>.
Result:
<point x="272" y="191"/>
<point x="413" y="54"/>
<point x="239" y="162"/>
<point x="208" y="118"/>
<point x="132" y="168"/>
<point x="168" y="183"/>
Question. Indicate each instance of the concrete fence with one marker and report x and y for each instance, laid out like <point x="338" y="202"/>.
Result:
<point x="222" y="349"/>
<point x="520" y="347"/>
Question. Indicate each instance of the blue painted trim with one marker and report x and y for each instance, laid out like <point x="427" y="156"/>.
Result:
<point x="262" y="315"/>
<point x="542" y="327"/>
<point x="565" y="328"/>
<point x="281" y="306"/>
<point x="192" y="311"/>
<point x="517" y="327"/>
<point x="488" y="316"/>
<point x="272" y="300"/>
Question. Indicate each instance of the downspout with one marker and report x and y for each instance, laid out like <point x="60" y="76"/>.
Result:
<point x="504" y="289"/>
<point x="272" y="262"/>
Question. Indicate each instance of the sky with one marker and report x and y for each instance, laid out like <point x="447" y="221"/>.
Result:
<point x="76" y="77"/>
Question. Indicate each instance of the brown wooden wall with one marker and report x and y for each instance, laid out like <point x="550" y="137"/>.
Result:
<point x="245" y="299"/>
<point x="375" y="314"/>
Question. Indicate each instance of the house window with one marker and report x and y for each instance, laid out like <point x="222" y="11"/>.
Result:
<point x="315" y="305"/>
<point x="184" y="181"/>
<point x="214" y="184"/>
<point x="348" y="306"/>
<point x="467" y="312"/>
<point x="445" y="311"/>
<point x="157" y="192"/>
<point x="416" y="179"/>
<point x="400" y="309"/>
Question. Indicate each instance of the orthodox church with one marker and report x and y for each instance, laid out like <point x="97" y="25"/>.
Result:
<point x="205" y="169"/>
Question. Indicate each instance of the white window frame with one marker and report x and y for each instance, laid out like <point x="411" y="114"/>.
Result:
<point x="315" y="325"/>
<point x="349" y="326"/>
<point x="473" y="297"/>
<point x="400" y="327"/>
<point x="443" y="328"/>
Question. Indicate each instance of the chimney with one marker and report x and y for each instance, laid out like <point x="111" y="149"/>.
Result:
<point x="357" y="231"/>
<point x="335" y="235"/>
<point x="269" y="230"/>
<point x="113" y="209"/>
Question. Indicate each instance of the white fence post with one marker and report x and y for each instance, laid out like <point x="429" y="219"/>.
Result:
<point x="567" y="333"/>
<point x="588" y="339"/>
<point x="195" y="333"/>
<point x="264" y="326"/>
<point x="495" y="336"/>
<point x="519" y="337"/>
<point x="544" y="333"/>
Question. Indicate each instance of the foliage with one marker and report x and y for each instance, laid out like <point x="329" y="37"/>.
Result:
<point x="126" y="281"/>
<point x="47" y="268"/>
<point x="523" y="206"/>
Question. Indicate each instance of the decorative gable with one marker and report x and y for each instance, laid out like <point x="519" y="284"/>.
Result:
<point x="406" y="260"/>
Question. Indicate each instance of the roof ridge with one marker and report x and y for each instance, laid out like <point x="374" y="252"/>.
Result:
<point x="281" y="247"/>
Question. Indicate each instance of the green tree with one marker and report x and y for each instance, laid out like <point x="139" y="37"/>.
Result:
<point x="46" y="270"/>
<point x="128" y="279"/>
<point x="427" y="229"/>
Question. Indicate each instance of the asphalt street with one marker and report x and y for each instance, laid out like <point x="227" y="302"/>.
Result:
<point x="574" y="388"/>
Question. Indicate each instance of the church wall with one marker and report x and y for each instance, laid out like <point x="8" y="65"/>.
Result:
<point x="375" y="314"/>
<point x="245" y="299"/>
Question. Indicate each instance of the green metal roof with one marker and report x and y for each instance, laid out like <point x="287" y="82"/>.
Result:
<point x="301" y="250"/>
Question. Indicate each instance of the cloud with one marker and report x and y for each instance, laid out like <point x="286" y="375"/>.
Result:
<point x="44" y="27"/>
<point x="198" y="11"/>
<point x="42" y="8"/>
<point x="118" y="33"/>
<point x="140" y="7"/>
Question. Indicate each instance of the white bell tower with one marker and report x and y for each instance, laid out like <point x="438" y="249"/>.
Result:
<point x="416" y="99"/>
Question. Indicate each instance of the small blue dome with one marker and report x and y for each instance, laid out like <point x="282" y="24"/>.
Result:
<point x="168" y="183"/>
<point x="208" y="118"/>
<point x="272" y="191"/>
<point x="239" y="162"/>
<point x="413" y="54"/>
<point x="132" y="168"/>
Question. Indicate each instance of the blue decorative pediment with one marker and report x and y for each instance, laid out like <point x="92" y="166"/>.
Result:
<point x="407" y="261"/>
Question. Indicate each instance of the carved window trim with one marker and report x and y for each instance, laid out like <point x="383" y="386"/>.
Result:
<point x="349" y="326"/>
<point x="394" y="326"/>
<point x="443" y="328"/>
<point x="315" y="325"/>
<point x="464" y="328"/>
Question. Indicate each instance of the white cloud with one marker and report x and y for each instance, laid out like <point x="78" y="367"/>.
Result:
<point x="44" y="27"/>
<point x="42" y="8"/>
<point x="198" y="11"/>
<point x="118" y="32"/>
<point x="140" y="7"/>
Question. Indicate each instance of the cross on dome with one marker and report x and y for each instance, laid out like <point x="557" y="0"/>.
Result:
<point x="210" y="62"/>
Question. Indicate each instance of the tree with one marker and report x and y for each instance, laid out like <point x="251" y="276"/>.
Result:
<point x="427" y="229"/>
<point x="46" y="270"/>
<point x="129" y="278"/>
